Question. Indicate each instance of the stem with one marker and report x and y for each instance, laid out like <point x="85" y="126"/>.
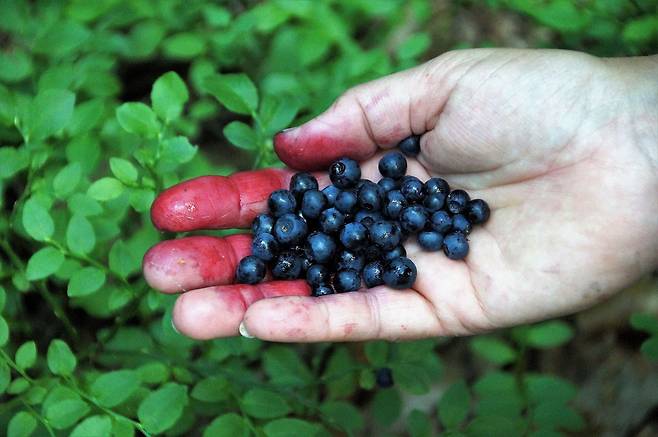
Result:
<point x="54" y="304"/>
<point x="38" y="416"/>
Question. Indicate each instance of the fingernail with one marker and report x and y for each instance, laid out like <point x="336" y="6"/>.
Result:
<point x="244" y="332"/>
<point x="173" y="326"/>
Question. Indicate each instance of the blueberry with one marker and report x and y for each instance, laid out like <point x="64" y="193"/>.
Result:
<point x="263" y="223"/>
<point x="457" y="201"/>
<point x="478" y="211"/>
<point x="371" y="253"/>
<point x="322" y="290"/>
<point x="395" y="253"/>
<point x="318" y="274"/>
<point x="410" y="146"/>
<point x="313" y="203"/>
<point x="288" y="265"/>
<point x="347" y="280"/>
<point x="346" y="259"/>
<point x="385" y="235"/>
<point x="393" y="165"/>
<point x="251" y="270"/>
<point x="437" y="185"/>
<point x="346" y="202"/>
<point x="413" y="218"/>
<point x="265" y="247"/>
<point x="434" y="202"/>
<point x="441" y="222"/>
<point x="430" y="240"/>
<point x="394" y="203"/>
<point x="301" y="183"/>
<point x="387" y="184"/>
<point x="365" y="215"/>
<point x="321" y="247"/>
<point x="290" y="229"/>
<point x="461" y="224"/>
<point x="384" y="377"/>
<point x="331" y="220"/>
<point x="281" y="202"/>
<point x="455" y="245"/>
<point x="373" y="274"/>
<point x="370" y="196"/>
<point x="412" y="189"/>
<point x="330" y="192"/>
<point x="345" y="173"/>
<point x="400" y="273"/>
<point x="354" y="235"/>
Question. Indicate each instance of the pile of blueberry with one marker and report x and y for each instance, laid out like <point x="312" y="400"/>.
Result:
<point x="355" y="228"/>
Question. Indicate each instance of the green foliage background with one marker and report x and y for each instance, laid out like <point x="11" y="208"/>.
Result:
<point x="104" y="103"/>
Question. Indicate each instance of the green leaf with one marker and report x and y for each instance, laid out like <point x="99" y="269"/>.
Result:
<point x="227" y="425"/>
<point x="124" y="170"/>
<point x="178" y="149"/>
<point x="67" y="179"/>
<point x="85" y="281"/>
<point x="277" y="113"/>
<point x="26" y="355"/>
<point x="80" y="203"/>
<point x="44" y="263"/>
<point x="80" y="235"/>
<point x="546" y="335"/>
<point x="113" y="388"/>
<point x="493" y="349"/>
<point x="22" y="424"/>
<point x="241" y="135"/>
<point x="168" y="96"/>
<point x="412" y="378"/>
<point x="18" y="386"/>
<point x="4" y="331"/>
<point x="12" y="161"/>
<point x="161" y="409"/>
<point x="86" y="116"/>
<point x="122" y="260"/>
<point x="15" y="65"/>
<point x="495" y="426"/>
<point x="556" y="415"/>
<point x="562" y="15"/>
<point x="549" y="388"/>
<point x="454" y="405"/>
<point x="216" y="16"/>
<point x="37" y="221"/>
<point x="367" y="379"/>
<point x="264" y="404"/>
<point x="377" y="353"/>
<point x="641" y="30"/>
<point x="105" y="189"/>
<point x="153" y="373"/>
<point x="414" y="46"/>
<point x="50" y="111"/>
<point x="419" y="424"/>
<point x="184" y="45"/>
<point x="235" y="91"/>
<point x="61" y="360"/>
<point x="650" y="348"/>
<point x="137" y="118"/>
<point x="344" y="415"/>
<point x="99" y="425"/>
<point x="291" y="427"/>
<point x="645" y="322"/>
<point x="62" y="38"/>
<point x="211" y="389"/>
<point x="284" y="367"/>
<point x="66" y="413"/>
<point x="386" y="406"/>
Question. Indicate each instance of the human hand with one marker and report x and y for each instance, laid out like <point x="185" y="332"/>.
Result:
<point x="562" y="146"/>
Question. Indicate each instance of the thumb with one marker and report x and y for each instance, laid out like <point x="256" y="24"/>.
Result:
<point x="375" y="114"/>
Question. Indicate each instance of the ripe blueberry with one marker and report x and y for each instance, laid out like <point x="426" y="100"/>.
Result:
<point x="461" y="224"/>
<point x="430" y="240"/>
<point x="394" y="203"/>
<point x="251" y="270"/>
<point x="457" y="201"/>
<point x="313" y="203"/>
<point x="478" y="211"/>
<point x="301" y="183"/>
<point x="400" y="273"/>
<point x="320" y="247"/>
<point x="346" y="259"/>
<point x="354" y="235"/>
<point x="373" y="274"/>
<point x="413" y="218"/>
<point x="410" y="146"/>
<point x="441" y="222"/>
<point x="385" y="235"/>
<point x="437" y="185"/>
<point x="434" y="201"/>
<point x="288" y="265"/>
<point x="331" y="220"/>
<point x="371" y="253"/>
<point x="393" y="165"/>
<point x="387" y="184"/>
<point x="263" y="223"/>
<point x="281" y="202"/>
<point x="395" y="253"/>
<point x="322" y="290"/>
<point x="384" y="377"/>
<point x="290" y="229"/>
<point x="369" y="216"/>
<point x="345" y="173"/>
<point x="330" y="192"/>
<point x="347" y="280"/>
<point x="412" y="188"/>
<point x="346" y="202"/>
<point x="370" y="196"/>
<point x="318" y="274"/>
<point x="455" y="245"/>
<point x="265" y="247"/>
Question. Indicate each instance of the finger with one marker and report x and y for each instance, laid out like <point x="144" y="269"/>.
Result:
<point x="363" y="315"/>
<point x="194" y="262"/>
<point x="217" y="311"/>
<point x="375" y="114"/>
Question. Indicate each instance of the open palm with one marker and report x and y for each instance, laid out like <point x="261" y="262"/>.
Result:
<point x="552" y="140"/>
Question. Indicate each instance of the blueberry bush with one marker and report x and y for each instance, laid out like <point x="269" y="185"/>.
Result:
<point x="104" y="103"/>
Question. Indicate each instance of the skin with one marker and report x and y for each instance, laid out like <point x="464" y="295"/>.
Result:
<point x="563" y="146"/>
